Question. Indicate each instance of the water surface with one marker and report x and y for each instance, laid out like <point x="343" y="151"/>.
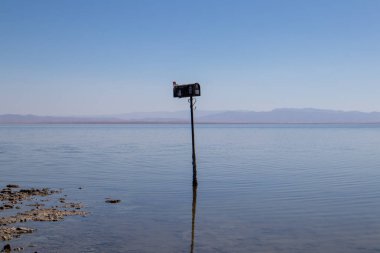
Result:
<point x="262" y="188"/>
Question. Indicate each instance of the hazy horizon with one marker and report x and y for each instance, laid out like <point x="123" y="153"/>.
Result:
<point x="186" y="110"/>
<point x="278" y="116"/>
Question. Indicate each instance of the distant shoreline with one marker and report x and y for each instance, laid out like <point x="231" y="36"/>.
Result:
<point x="276" y="116"/>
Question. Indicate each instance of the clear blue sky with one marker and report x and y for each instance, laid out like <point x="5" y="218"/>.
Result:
<point x="85" y="57"/>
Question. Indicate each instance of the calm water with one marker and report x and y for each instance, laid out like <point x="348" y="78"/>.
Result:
<point x="262" y="188"/>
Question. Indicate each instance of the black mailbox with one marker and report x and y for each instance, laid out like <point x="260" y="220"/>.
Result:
<point x="186" y="90"/>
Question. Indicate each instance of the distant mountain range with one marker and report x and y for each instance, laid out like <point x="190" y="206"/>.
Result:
<point x="308" y="115"/>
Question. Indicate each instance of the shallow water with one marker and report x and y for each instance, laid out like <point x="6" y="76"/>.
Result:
<point x="262" y="188"/>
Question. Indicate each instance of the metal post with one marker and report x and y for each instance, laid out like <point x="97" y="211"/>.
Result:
<point x="195" y="181"/>
<point x="194" y="209"/>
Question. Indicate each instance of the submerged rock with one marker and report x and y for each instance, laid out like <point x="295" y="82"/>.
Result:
<point x="73" y="205"/>
<point x="43" y="214"/>
<point x="113" y="201"/>
<point x="14" y="197"/>
<point x="8" y="233"/>
<point x="13" y="186"/>
<point x="6" y="248"/>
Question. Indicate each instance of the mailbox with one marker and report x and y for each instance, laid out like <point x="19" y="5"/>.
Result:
<point x="186" y="90"/>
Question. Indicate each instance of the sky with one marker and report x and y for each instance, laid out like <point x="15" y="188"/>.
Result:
<point x="92" y="57"/>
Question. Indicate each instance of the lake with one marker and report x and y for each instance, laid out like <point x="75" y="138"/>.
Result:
<point x="262" y="188"/>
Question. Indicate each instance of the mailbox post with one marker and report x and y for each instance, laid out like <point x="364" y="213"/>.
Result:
<point x="190" y="91"/>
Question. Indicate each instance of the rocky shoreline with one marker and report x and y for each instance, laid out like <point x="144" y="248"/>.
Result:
<point x="42" y="209"/>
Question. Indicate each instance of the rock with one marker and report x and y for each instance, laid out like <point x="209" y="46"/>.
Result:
<point x="24" y="230"/>
<point x="28" y="191"/>
<point x="7" y="248"/>
<point x="113" y="201"/>
<point x="6" y="190"/>
<point x="14" y="199"/>
<point x="8" y="206"/>
<point x="37" y="205"/>
<point x="8" y="233"/>
<point x="6" y="237"/>
<point x="73" y="205"/>
<point x="13" y="186"/>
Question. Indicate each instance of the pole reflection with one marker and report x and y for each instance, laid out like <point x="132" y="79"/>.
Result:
<point x="194" y="209"/>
